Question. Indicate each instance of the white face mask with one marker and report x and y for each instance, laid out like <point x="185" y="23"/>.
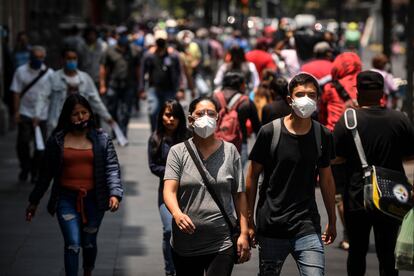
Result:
<point x="204" y="126"/>
<point x="304" y="106"/>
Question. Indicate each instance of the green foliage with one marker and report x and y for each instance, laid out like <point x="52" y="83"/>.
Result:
<point x="293" y="7"/>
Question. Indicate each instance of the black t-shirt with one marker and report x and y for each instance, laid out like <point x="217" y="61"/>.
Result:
<point x="387" y="137"/>
<point x="274" y="110"/>
<point x="287" y="206"/>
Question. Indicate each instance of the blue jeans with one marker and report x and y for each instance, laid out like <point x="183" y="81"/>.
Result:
<point x="76" y="234"/>
<point x="156" y="98"/>
<point x="307" y="251"/>
<point x="166" y="219"/>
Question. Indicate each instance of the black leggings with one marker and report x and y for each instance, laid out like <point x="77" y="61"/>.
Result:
<point x="217" y="264"/>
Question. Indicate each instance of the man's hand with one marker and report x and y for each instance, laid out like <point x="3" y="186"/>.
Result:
<point x="243" y="248"/>
<point x="35" y="121"/>
<point x="184" y="223"/>
<point x="17" y="118"/>
<point x="30" y="212"/>
<point x="252" y="235"/>
<point x="110" y="121"/>
<point x="102" y="89"/>
<point x="142" y="95"/>
<point x="329" y="235"/>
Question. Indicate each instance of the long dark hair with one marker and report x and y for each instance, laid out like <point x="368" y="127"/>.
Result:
<point x="180" y="134"/>
<point x="64" y="122"/>
<point x="237" y="57"/>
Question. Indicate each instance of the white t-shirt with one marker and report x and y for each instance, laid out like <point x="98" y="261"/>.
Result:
<point x="24" y="76"/>
<point x="291" y="60"/>
<point x="73" y="80"/>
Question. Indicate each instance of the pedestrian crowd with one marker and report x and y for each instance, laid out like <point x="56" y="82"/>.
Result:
<point x="207" y="92"/>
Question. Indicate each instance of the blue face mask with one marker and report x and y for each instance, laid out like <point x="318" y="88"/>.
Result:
<point x="36" y="63"/>
<point x="71" y="65"/>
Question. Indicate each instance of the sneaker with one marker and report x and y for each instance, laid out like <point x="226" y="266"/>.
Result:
<point x="344" y="245"/>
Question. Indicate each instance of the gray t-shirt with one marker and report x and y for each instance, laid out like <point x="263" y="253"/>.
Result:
<point x="224" y="171"/>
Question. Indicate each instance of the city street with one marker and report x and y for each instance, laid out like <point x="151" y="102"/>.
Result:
<point x="124" y="60"/>
<point x="129" y="241"/>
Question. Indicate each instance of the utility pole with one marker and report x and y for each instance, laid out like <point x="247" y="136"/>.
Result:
<point x="339" y="18"/>
<point x="264" y="9"/>
<point x="386" y="11"/>
<point x="410" y="60"/>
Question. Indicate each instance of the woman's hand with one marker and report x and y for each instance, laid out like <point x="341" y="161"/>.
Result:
<point x="184" y="223"/>
<point x="243" y="248"/>
<point x="30" y="212"/>
<point x="113" y="203"/>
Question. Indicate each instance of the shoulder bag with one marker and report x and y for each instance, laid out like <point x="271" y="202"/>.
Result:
<point x="234" y="230"/>
<point x="384" y="189"/>
<point x="33" y="82"/>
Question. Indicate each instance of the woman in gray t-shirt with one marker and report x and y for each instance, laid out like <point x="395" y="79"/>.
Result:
<point x="200" y="235"/>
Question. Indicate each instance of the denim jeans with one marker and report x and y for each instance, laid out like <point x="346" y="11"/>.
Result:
<point x="156" y="98"/>
<point x="307" y="251"/>
<point x="166" y="219"/>
<point x="76" y="234"/>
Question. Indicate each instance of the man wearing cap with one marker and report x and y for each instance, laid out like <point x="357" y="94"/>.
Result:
<point x="387" y="138"/>
<point x="162" y="66"/>
<point x="321" y="65"/>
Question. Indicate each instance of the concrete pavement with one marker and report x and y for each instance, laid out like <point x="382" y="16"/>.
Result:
<point x="129" y="240"/>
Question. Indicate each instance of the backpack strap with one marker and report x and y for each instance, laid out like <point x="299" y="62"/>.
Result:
<point x="341" y="91"/>
<point x="222" y="100"/>
<point x="317" y="130"/>
<point x="234" y="101"/>
<point x="351" y="124"/>
<point x="277" y="129"/>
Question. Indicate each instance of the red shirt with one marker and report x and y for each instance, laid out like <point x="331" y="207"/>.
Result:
<point x="262" y="60"/>
<point x="319" y="68"/>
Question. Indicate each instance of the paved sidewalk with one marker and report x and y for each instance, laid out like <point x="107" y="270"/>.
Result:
<point x="129" y="240"/>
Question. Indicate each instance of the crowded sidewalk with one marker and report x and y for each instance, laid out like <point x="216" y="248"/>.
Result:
<point x="129" y="241"/>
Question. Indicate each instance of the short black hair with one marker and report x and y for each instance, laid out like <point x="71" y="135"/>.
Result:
<point x="194" y="103"/>
<point x="233" y="80"/>
<point x="280" y="86"/>
<point x="69" y="49"/>
<point x="302" y="79"/>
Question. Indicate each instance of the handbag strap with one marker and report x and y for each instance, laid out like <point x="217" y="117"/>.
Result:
<point x="33" y="82"/>
<point x="207" y="183"/>
<point x="351" y="123"/>
<point x="341" y="90"/>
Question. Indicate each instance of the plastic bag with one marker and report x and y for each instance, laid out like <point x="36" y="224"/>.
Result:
<point x="404" y="249"/>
